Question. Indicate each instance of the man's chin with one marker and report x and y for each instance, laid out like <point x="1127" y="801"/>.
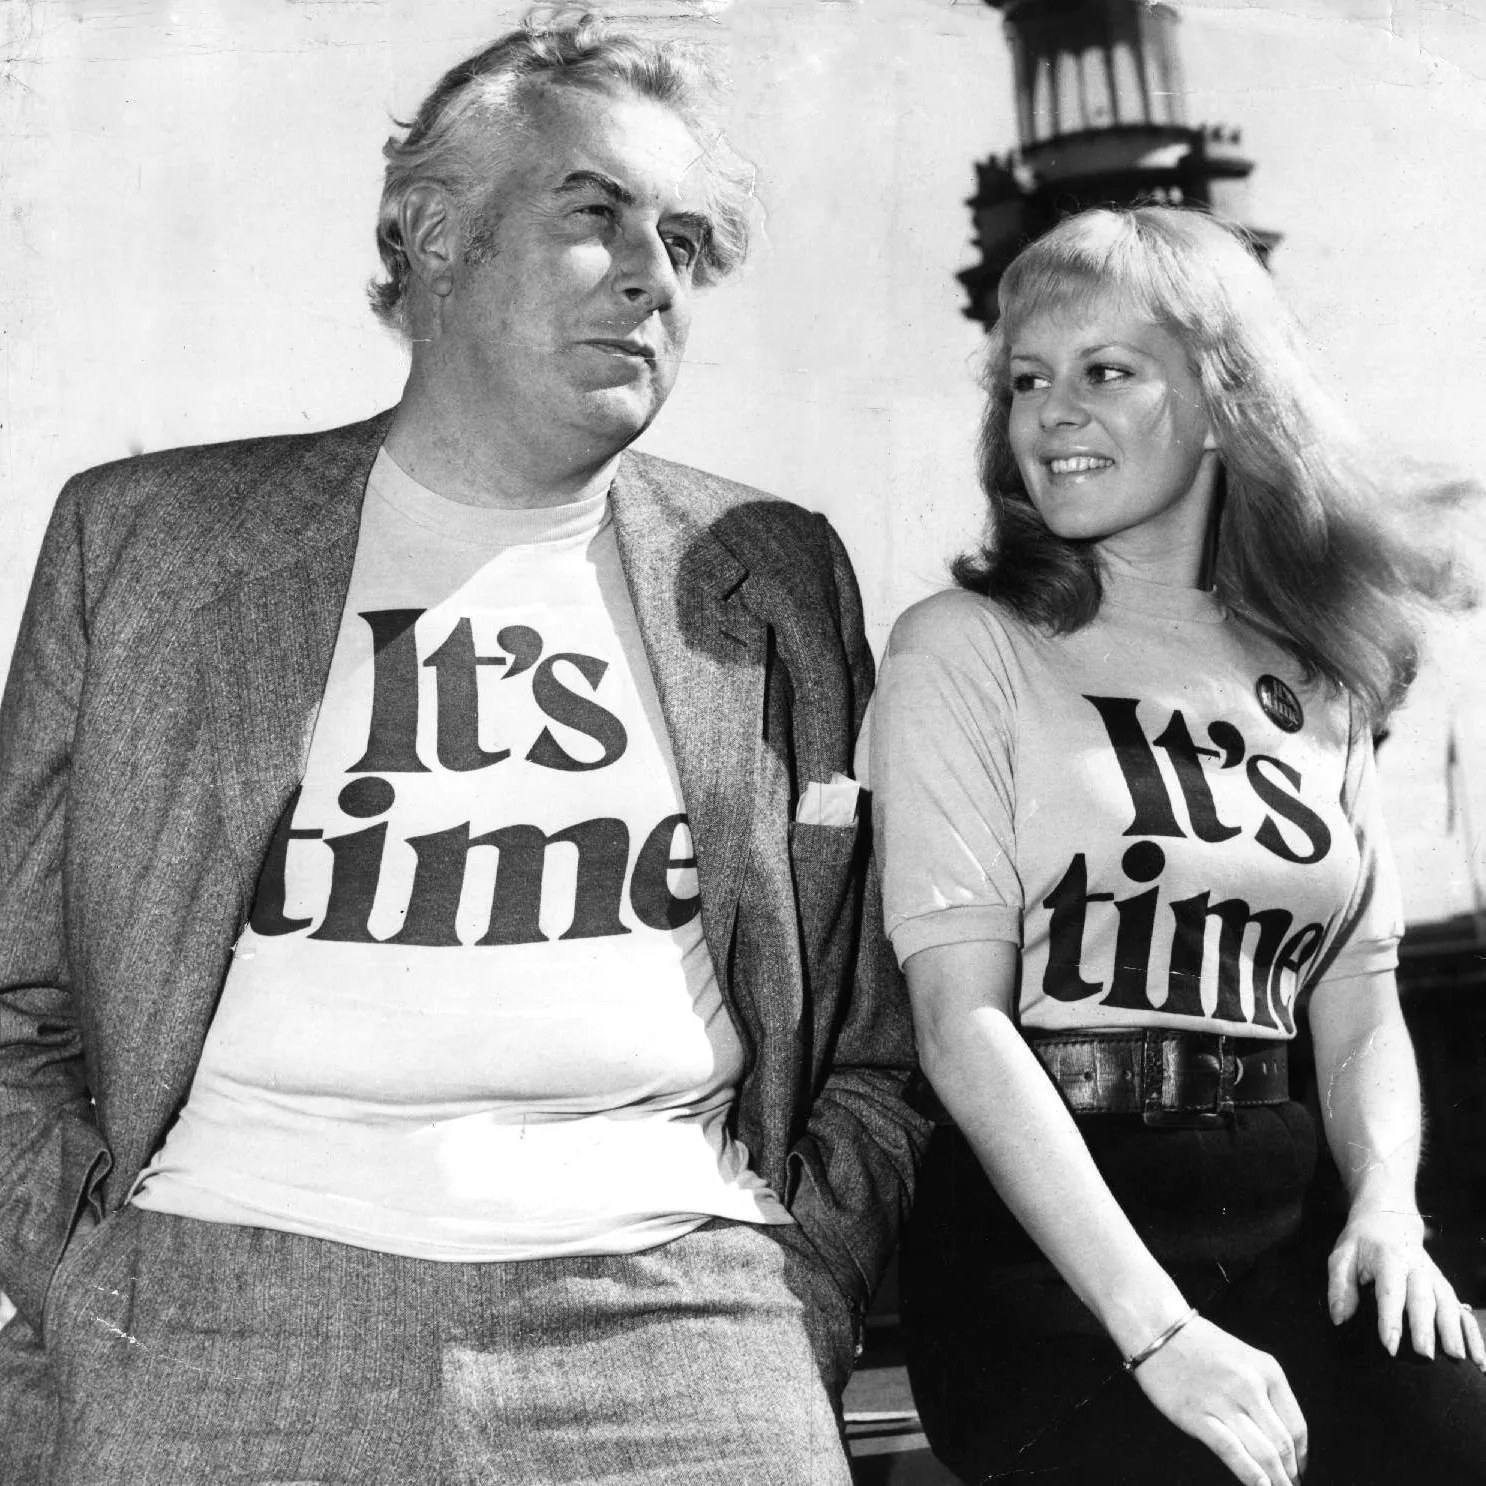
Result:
<point x="619" y="415"/>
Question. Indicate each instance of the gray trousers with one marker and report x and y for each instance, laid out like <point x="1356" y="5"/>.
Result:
<point x="191" y="1352"/>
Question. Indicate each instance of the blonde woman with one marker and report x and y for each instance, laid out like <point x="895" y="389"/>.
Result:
<point x="1131" y="848"/>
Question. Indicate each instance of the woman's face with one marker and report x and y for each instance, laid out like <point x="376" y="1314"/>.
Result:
<point x="1111" y="436"/>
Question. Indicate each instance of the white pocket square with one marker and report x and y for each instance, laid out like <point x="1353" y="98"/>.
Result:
<point x="830" y="804"/>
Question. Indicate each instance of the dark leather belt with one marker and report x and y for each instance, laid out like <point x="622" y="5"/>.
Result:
<point x="1170" y="1078"/>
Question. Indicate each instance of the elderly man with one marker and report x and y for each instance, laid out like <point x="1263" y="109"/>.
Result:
<point x="445" y="1030"/>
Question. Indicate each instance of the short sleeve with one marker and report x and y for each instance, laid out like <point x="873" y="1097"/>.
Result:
<point x="1366" y="939"/>
<point x="940" y="764"/>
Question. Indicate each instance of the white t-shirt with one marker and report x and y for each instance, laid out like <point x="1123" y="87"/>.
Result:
<point x="474" y="1016"/>
<point x="1124" y="804"/>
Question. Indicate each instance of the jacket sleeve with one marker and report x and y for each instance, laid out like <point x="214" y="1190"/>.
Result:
<point x="852" y="1172"/>
<point x="51" y="1151"/>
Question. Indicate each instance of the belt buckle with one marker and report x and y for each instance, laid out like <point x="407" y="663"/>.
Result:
<point x="1230" y="1071"/>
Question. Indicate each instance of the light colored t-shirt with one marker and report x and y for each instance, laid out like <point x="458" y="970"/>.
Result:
<point x="474" y="1016"/>
<point x="1124" y="804"/>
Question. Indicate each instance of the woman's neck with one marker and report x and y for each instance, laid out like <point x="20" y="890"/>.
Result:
<point x="1165" y="569"/>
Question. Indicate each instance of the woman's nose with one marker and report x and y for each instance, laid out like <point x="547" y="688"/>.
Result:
<point x="1063" y="406"/>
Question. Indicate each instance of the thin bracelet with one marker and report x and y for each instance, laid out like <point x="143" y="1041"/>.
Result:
<point x="1146" y="1353"/>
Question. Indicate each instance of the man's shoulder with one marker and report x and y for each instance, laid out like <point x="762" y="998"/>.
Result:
<point x="739" y="514"/>
<point x="189" y="499"/>
<point x="702" y="490"/>
<point x="225" y="468"/>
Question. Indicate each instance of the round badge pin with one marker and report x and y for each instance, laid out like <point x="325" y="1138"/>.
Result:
<point x="1281" y="705"/>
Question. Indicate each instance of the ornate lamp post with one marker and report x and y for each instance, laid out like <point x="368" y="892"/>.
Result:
<point x="1101" y="119"/>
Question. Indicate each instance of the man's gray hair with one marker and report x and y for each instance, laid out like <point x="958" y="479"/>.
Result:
<point x="471" y="123"/>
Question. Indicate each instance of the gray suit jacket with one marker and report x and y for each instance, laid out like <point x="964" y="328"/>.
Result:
<point x="174" y="649"/>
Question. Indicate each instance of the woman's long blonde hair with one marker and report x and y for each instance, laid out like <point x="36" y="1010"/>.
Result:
<point x="1310" y="552"/>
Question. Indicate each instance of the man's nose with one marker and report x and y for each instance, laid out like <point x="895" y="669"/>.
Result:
<point x="645" y="272"/>
<point x="1063" y="406"/>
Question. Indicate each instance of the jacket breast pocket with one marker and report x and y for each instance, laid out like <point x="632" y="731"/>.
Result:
<point x="820" y="855"/>
<point x="826" y="864"/>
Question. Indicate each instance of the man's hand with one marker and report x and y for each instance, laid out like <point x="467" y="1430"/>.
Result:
<point x="1385" y="1248"/>
<point x="1231" y="1397"/>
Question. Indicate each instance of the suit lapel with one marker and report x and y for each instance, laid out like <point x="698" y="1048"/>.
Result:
<point x="707" y="651"/>
<point x="265" y="639"/>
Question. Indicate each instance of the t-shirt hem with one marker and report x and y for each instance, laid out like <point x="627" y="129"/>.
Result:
<point x="627" y="1233"/>
<point x="1140" y="1021"/>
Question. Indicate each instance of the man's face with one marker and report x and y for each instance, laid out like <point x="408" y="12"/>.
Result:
<point x="571" y="324"/>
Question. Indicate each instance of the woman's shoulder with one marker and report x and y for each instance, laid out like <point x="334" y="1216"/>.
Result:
<point x="958" y="627"/>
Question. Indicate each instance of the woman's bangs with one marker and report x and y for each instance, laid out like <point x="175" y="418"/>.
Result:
<point x="1070" y="278"/>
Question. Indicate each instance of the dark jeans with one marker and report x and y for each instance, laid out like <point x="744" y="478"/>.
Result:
<point x="1015" y="1380"/>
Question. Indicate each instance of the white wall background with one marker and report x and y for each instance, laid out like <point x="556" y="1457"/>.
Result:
<point x="185" y="229"/>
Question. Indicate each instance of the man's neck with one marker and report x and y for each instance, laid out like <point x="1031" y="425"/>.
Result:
<point x="484" y="465"/>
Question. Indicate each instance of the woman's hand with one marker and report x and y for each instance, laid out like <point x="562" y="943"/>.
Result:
<point x="1369" y="1090"/>
<point x="1232" y="1398"/>
<point x="1386" y="1249"/>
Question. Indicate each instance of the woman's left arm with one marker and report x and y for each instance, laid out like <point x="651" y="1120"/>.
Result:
<point x="1369" y="1092"/>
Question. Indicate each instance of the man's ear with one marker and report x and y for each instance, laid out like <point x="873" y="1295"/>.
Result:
<point x="430" y="237"/>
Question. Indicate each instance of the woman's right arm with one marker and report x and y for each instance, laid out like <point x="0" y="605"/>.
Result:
<point x="1216" y="1388"/>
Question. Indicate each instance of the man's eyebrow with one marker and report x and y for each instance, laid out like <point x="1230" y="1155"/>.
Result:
<point x="596" y="180"/>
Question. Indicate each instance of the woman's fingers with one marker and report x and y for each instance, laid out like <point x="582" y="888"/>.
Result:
<point x="1432" y="1310"/>
<point x="1449" y="1318"/>
<point x="1341" y="1281"/>
<point x="1278" y="1438"/>
<point x="1226" y="1445"/>
<point x="1456" y="1325"/>
<point x="1390" y="1279"/>
<point x="1470" y="1330"/>
<point x="1245" y="1450"/>
<point x="1421" y="1306"/>
<point x="1282" y="1399"/>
